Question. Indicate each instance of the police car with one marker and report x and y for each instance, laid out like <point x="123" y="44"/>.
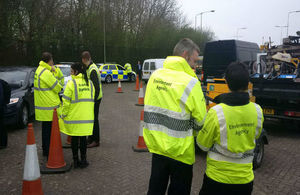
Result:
<point x="115" y="72"/>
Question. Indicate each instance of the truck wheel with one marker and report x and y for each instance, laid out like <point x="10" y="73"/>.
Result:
<point x="258" y="154"/>
<point x="108" y="79"/>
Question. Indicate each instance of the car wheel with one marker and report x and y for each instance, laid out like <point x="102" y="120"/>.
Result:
<point x="258" y="154"/>
<point x="23" y="117"/>
<point x="108" y="79"/>
<point x="132" y="78"/>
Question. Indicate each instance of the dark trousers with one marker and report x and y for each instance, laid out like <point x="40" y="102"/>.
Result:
<point x="3" y="133"/>
<point x="212" y="187"/>
<point x="163" y="168"/>
<point x="46" y="135"/>
<point x="74" y="145"/>
<point x="140" y="74"/>
<point x="96" y="129"/>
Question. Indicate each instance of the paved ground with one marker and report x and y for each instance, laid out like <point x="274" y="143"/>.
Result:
<point x="116" y="169"/>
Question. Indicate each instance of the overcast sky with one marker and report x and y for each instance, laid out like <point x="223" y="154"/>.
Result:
<point x="258" y="16"/>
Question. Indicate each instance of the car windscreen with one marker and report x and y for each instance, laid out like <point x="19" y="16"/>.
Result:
<point x="15" y="78"/>
<point x="121" y="68"/>
<point x="66" y="71"/>
<point x="112" y="67"/>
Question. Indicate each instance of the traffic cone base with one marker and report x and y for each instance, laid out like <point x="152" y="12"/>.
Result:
<point x="46" y="170"/>
<point x="141" y="146"/>
<point x="56" y="162"/>
<point x="32" y="187"/>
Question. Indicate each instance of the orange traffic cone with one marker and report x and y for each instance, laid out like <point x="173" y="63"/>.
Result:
<point x="141" y="146"/>
<point x="32" y="183"/>
<point x="119" y="87"/>
<point x="141" y="96"/>
<point x="68" y="142"/>
<point x="56" y="162"/>
<point x="137" y="82"/>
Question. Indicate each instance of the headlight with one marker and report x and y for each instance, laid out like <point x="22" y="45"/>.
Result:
<point x="13" y="100"/>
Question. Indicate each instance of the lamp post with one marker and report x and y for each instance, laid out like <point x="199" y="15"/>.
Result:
<point x="104" y="36"/>
<point x="201" y="13"/>
<point x="288" y="20"/>
<point x="237" y="32"/>
<point x="281" y="27"/>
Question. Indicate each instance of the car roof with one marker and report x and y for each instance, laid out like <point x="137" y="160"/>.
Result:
<point x="110" y="64"/>
<point x="15" y="68"/>
<point x="66" y="63"/>
<point x="63" y="65"/>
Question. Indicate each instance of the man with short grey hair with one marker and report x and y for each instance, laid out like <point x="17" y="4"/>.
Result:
<point x="174" y="111"/>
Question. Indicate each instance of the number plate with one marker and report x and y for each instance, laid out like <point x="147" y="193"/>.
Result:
<point x="268" y="111"/>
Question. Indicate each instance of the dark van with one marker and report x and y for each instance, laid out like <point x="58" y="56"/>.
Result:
<point x="219" y="54"/>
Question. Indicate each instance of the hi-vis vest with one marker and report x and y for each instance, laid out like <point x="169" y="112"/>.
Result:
<point x="128" y="67"/>
<point x="59" y="75"/>
<point x="46" y="89"/>
<point x="229" y="134"/>
<point x="89" y="71"/>
<point x="174" y="107"/>
<point x="77" y="117"/>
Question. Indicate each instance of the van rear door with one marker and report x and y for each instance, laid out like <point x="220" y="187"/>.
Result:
<point x="146" y="71"/>
<point x="152" y="67"/>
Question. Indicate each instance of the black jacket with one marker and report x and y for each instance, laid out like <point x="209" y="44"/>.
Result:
<point x="95" y="80"/>
<point x="233" y="98"/>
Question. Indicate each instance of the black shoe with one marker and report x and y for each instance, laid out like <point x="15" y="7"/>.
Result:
<point x="77" y="164"/>
<point x="93" y="144"/>
<point x="84" y="164"/>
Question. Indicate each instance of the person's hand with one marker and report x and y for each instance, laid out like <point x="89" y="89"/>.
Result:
<point x="53" y="69"/>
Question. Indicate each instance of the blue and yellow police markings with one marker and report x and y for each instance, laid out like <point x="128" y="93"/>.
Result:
<point x="115" y="74"/>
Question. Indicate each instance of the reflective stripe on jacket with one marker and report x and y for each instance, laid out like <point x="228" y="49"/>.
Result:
<point x="174" y="107"/>
<point x="229" y="135"/>
<point x="46" y="89"/>
<point x="89" y="71"/>
<point x="77" y="117"/>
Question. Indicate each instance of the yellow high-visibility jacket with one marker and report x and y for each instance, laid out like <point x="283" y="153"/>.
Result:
<point x="77" y="117"/>
<point x="174" y="107"/>
<point x="59" y="75"/>
<point x="46" y="89"/>
<point x="89" y="71"/>
<point x="128" y="67"/>
<point x="229" y="135"/>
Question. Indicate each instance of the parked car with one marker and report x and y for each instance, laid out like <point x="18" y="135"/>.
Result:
<point x="115" y="72"/>
<point x="66" y="70"/>
<point x="21" y="106"/>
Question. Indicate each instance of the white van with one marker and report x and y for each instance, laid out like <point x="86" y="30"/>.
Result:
<point x="149" y="66"/>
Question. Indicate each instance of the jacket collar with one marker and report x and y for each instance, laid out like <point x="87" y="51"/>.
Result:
<point x="79" y="76"/>
<point x="179" y="64"/>
<point x="90" y="64"/>
<point x="45" y="65"/>
<point x="234" y="98"/>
